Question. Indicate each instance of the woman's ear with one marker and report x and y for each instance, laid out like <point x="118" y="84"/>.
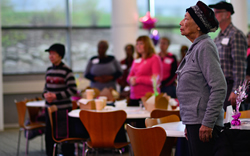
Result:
<point x="199" y="28"/>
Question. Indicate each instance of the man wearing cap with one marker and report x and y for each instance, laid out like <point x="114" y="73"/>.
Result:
<point x="232" y="47"/>
<point x="60" y="85"/>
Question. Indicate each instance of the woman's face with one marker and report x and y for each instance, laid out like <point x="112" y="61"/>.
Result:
<point x="188" y="26"/>
<point x="140" y="47"/>
<point x="129" y="51"/>
<point x="102" y="48"/>
<point x="54" y="57"/>
<point x="164" y="44"/>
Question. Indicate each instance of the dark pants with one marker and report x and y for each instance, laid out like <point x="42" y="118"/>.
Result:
<point x="139" y="123"/>
<point x="196" y="146"/>
<point x="181" y="147"/>
<point x="67" y="149"/>
<point x="233" y="142"/>
<point x="229" y="90"/>
<point x="134" y="102"/>
<point x="170" y="90"/>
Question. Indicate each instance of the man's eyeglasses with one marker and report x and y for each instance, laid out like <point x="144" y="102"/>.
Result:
<point x="217" y="12"/>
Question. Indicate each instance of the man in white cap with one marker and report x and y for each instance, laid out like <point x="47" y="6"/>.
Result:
<point x="232" y="47"/>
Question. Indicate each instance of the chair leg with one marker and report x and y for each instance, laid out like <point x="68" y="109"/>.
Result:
<point x="120" y="151"/>
<point x="76" y="148"/>
<point x="42" y="142"/>
<point x="27" y="142"/>
<point x="18" y="143"/>
<point x="131" y="152"/>
<point x="83" y="148"/>
<point x="86" y="151"/>
<point x="54" y="149"/>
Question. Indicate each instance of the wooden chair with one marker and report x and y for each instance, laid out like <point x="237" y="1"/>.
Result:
<point x="171" y="142"/>
<point x="21" y="110"/>
<point x="103" y="128"/>
<point x="147" y="141"/>
<point x="158" y="113"/>
<point x="33" y="111"/>
<point x="149" y="122"/>
<point x="51" y="110"/>
<point x="74" y="105"/>
<point x="245" y="114"/>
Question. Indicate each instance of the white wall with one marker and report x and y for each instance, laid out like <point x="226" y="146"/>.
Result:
<point x="239" y="18"/>
<point x="124" y="25"/>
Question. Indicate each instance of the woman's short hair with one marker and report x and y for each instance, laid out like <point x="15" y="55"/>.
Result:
<point x="103" y="42"/>
<point x="130" y="45"/>
<point x="167" y="39"/>
<point x="148" y="46"/>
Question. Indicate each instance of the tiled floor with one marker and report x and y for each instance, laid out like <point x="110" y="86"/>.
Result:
<point x="8" y="145"/>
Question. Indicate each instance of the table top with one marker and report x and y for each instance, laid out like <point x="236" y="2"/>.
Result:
<point x="245" y="124"/>
<point x="176" y="129"/>
<point x="40" y="103"/>
<point x="173" y="129"/>
<point x="132" y="112"/>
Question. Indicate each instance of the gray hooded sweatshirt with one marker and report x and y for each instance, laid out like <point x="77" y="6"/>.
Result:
<point x="201" y="87"/>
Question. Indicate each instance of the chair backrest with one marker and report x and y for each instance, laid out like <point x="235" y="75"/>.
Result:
<point x="74" y="105"/>
<point x="33" y="113"/>
<point x="51" y="110"/>
<point x="149" y="122"/>
<point x="21" y="111"/>
<point x="103" y="126"/>
<point x="146" y="141"/>
<point x="158" y="113"/>
<point x="245" y="114"/>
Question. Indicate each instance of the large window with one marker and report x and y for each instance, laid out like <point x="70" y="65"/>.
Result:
<point x="31" y="26"/>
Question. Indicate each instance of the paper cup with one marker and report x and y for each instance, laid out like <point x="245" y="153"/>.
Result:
<point x="90" y="94"/>
<point x="98" y="104"/>
<point x="104" y="98"/>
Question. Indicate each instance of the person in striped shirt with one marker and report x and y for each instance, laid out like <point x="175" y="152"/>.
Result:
<point x="59" y="87"/>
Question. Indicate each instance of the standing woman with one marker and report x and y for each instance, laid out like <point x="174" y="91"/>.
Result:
<point x="103" y="70"/>
<point x="59" y="87"/>
<point x="201" y="87"/>
<point x="147" y="65"/>
<point x="169" y="66"/>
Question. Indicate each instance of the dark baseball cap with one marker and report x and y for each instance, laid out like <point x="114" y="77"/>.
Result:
<point x="223" y="5"/>
<point x="59" y="48"/>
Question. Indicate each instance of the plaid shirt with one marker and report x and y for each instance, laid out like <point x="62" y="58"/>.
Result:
<point x="232" y="47"/>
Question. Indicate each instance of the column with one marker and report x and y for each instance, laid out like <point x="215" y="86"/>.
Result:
<point x="124" y="25"/>
<point x="239" y="18"/>
<point x="1" y="84"/>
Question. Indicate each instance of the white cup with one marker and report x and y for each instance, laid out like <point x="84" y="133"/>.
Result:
<point x="121" y="104"/>
<point x="104" y="98"/>
<point x="90" y="94"/>
<point x="98" y="104"/>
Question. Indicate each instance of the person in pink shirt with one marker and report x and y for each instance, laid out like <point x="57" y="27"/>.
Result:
<point x="147" y="65"/>
<point x="169" y="66"/>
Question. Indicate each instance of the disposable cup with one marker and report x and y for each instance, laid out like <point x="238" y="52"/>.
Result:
<point x="90" y="94"/>
<point x="98" y="104"/>
<point x="104" y="98"/>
